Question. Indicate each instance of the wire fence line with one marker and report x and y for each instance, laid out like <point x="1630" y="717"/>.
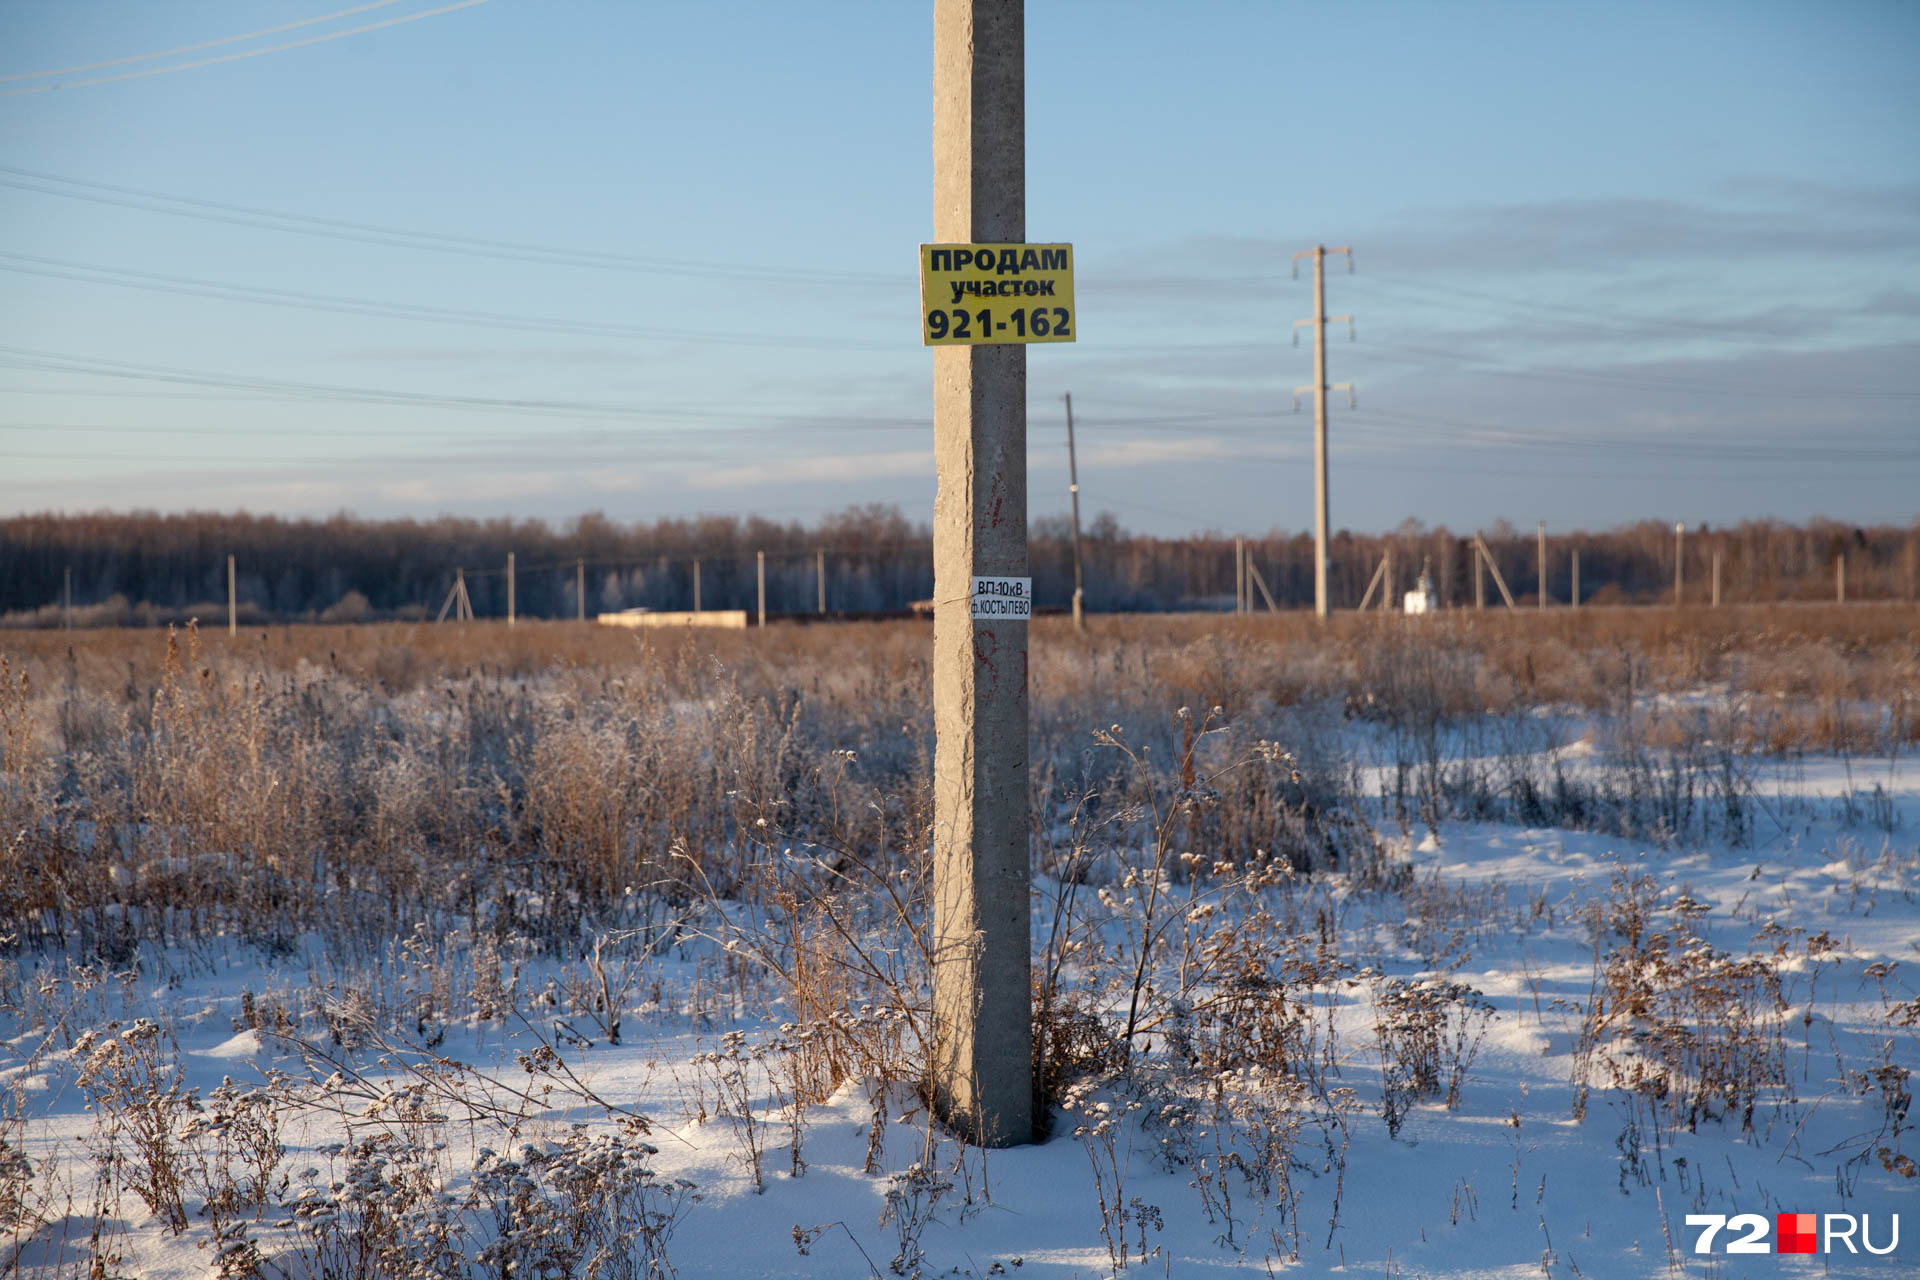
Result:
<point x="134" y="570"/>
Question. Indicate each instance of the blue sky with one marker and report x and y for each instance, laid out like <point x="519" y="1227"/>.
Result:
<point x="1613" y="262"/>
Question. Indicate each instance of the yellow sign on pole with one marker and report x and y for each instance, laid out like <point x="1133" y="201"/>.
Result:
<point x="978" y="293"/>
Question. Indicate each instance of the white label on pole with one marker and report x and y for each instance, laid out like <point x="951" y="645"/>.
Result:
<point x="1003" y="598"/>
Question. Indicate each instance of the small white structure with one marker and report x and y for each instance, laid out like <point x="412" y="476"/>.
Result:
<point x="731" y="619"/>
<point x="1422" y="599"/>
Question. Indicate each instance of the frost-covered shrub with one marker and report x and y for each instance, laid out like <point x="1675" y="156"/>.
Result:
<point x="139" y="1098"/>
<point x="388" y="1216"/>
<point x="587" y="1205"/>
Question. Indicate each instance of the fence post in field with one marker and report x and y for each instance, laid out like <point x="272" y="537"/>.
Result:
<point x="1373" y="583"/>
<point x="982" y="1069"/>
<point x="457" y="600"/>
<point x="1239" y="575"/>
<point x="1499" y="579"/>
<point x="1073" y="492"/>
<point x="1543" y="564"/>
<point x="1679" y="564"/>
<point x="1255" y="580"/>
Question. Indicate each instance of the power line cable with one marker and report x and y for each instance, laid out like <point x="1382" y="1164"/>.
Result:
<point x="1453" y="359"/>
<point x="434" y="241"/>
<point x="249" y="53"/>
<point x="204" y="44"/>
<point x="155" y="282"/>
<point x="1449" y="297"/>
<point x="1720" y="450"/>
<point x="55" y="362"/>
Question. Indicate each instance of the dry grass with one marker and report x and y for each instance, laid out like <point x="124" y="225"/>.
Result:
<point x="361" y="779"/>
<point x="440" y="806"/>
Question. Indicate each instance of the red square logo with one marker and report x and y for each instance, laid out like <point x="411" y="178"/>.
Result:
<point x="1797" y="1233"/>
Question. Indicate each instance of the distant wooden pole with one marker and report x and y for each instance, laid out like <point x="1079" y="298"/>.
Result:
<point x="1255" y="580"/>
<point x="1386" y="596"/>
<point x="233" y="624"/>
<point x="820" y="576"/>
<point x="456" y="598"/>
<point x="762" y="573"/>
<point x="1679" y="564"/>
<point x="1373" y="584"/>
<point x="1716" y="578"/>
<point x="66" y="608"/>
<point x="509" y="588"/>
<point x="1499" y="579"/>
<point x="1840" y="578"/>
<point x="1576" y="577"/>
<point x="1479" y="576"/>
<point x="1321" y="603"/>
<point x="696" y="584"/>
<point x="1239" y="575"/>
<point x="1073" y="492"/>
<point x="1543" y="564"/>
<point x="580" y="588"/>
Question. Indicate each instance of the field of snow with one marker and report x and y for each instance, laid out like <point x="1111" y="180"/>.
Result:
<point x="1486" y="1049"/>
<point x="1505" y="1182"/>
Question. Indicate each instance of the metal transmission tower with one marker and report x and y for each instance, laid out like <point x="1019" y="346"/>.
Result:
<point x="1319" y="389"/>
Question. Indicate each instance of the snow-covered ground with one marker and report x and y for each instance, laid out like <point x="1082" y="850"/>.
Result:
<point x="1528" y="1174"/>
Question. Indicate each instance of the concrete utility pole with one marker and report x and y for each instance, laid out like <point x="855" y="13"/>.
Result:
<point x="696" y="584"/>
<point x="820" y="577"/>
<point x="1679" y="564"/>
<point x="1543" y="564"/>
<point x="1073" y="491"/>
<point x="760" y="558"/>
<point x="580" y="587"/>
<point x="982" y="998"/>
<point x="233" y="613"/>
<point x="1320" y="387"/>
<point x="509" y="588"/>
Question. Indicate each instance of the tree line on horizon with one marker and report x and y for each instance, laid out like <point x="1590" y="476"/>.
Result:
<point x="151" y="568"/>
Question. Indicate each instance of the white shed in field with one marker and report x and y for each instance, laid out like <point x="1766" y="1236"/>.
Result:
<point x="1422" y="599"/>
